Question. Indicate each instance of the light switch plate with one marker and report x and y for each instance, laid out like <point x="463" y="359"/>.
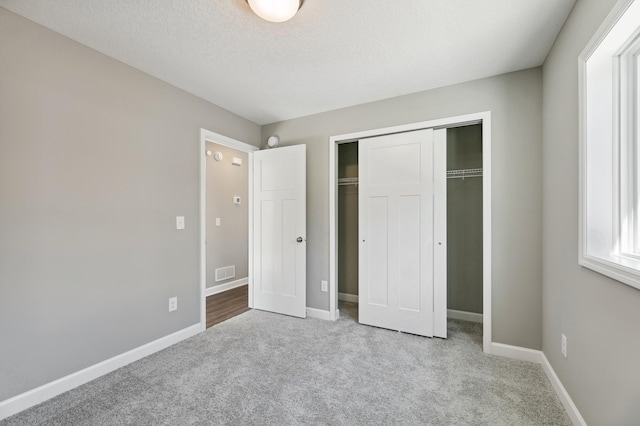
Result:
<point x="217" y="221"/>
<point x="236" y="200"/>
<point x="179" y="222"/>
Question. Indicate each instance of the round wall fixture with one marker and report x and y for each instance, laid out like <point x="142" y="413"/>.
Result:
<point x="273" y="141"/>
<point x="217" y="156"/>
<point x="208" y="153"/>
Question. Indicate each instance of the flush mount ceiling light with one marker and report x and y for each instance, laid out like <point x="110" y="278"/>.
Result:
<point x="275" y="10"/>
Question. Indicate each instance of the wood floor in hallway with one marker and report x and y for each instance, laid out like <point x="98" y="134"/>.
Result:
<point x="228" y="304"/>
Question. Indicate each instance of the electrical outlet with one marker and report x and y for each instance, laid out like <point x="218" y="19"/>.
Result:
<point x="323" y="286"/>
<point x="563" y="346"/>
<point x="173" y="304"/>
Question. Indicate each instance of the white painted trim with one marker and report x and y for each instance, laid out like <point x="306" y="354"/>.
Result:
<point x="214" y="137"/>
<point x="348" y="297"/>
<point x="209" y="136"/>
<point x="602" y="257"/>
<point x="487" y="235"/>
<point x="481" y="117"/>
<point x="320" y="314"/>
<point x="562" y="393"/>
<point x="333" y="304"/>
<point x="333" y="223"/>
<point x="464" y="315"/>
<point x="42" y="393"/>
<point x="226" y="286"/>
<point x="516" y="352"/>
<point x="439" y="229"/>
<point x="458" y="121"/>
<point x="525" y="354"/>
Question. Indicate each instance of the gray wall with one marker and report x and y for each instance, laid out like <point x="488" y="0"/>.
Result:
<point x="600" y="316"/>
<point x="464" y="221"/>
<point x="96" y="161"/>
<point x="515" y="101"/>
<point x="227" y="244"/>
<point x="348" y="261"/>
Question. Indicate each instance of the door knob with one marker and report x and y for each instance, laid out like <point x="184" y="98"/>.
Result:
<point x="299" y="239"/>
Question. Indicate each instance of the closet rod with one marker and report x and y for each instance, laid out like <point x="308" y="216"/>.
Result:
<point x="464" y="173"/>
<point x="348" y="181"/>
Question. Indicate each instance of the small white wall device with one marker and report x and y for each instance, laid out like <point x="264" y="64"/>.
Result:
<point x="273" y="141"/>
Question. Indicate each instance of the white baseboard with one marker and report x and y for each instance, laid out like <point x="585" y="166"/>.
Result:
<point x="562" y="393"/>
<point x="464" y="315"/>
<point x="42" y="393"/>
<point x="319" y="313"/>
<point x="532" y="355"/>
<point x="347" y="297"/>
<point x="516" y="352"/>
<point x="226" y="286"/>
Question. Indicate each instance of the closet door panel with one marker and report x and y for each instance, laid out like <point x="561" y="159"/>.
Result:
<point x="396" y="237"/>
<point x="409" y="252"/>
<point x="378" y="283"/>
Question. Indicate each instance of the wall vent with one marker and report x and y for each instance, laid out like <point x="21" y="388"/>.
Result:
<point x="225" y="273"/>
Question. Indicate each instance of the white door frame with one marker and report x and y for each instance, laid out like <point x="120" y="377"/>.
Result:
<point x="209" y="136"/>
<point x="483" y="118"/>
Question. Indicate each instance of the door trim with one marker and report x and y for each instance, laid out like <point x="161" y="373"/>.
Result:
<point x="483" y="118"/>
<point x="209" y="136"/>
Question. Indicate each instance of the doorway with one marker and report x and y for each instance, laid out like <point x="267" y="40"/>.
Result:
<point x="276" y="222"/>
<point x="336" y="142"/>
<point x="222" y="276"/>
<point x="227" y="215"/>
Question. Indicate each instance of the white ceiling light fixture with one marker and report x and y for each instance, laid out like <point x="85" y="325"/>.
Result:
<point x="275" y="10"/>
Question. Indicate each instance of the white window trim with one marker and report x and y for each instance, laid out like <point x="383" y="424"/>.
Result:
<point x="603" y="194"/>
<point x="626" y="115"/>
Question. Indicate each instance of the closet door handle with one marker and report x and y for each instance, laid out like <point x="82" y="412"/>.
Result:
<point x="299" y="239"/>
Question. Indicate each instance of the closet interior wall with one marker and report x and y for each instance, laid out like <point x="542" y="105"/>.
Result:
<point x="348" y="218"/>
<point x="464" y="220"/>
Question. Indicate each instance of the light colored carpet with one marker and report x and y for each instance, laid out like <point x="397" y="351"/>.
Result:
<point x="263" y="368"/>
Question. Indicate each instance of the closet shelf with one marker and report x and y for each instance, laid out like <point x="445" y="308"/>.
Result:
<point x="348" y="181"/>
<point x="451" y="174"/>
<point x="464" y="173"/>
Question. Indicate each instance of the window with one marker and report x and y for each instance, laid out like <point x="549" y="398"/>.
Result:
<point x="610" y="147"/>
<point x="627" y="74"/>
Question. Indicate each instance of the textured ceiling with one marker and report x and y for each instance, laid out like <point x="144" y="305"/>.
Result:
<point x="332" y="54"/>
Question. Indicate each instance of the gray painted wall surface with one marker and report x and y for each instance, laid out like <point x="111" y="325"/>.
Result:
<point x="96" y="161"/>
<point x="600" y="316"/>
<point x="515" y="101"/>
<point x="348" y="246"/>
<point x="227" y="244"/>
<point x="464" y="221"/>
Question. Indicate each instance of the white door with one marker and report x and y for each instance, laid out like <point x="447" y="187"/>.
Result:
<point x="279" y="230"/>
<point x="396" y="203"/>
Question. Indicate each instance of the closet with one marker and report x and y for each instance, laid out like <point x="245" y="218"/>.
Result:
<point x="464" y="282"/>
<point x="464" y="222"/>
<point x="348" y="221"/>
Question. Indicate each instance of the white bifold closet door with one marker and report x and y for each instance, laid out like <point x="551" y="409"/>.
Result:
<point x="402" y="232"/>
